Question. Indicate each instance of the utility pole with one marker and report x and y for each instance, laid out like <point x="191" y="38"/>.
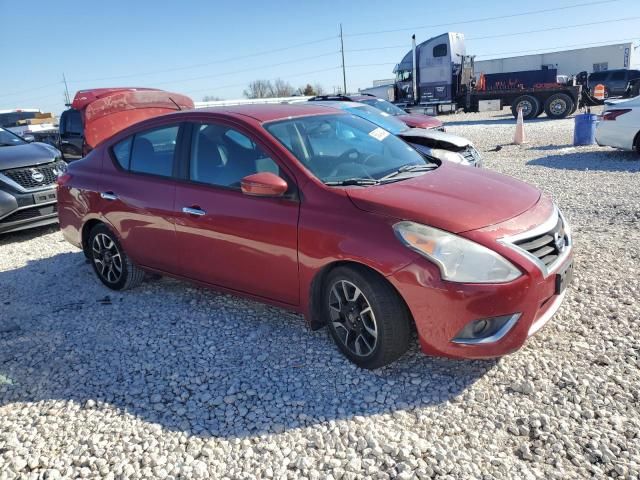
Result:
<point x="66" y="91"/>
<point x="344" y="73"/>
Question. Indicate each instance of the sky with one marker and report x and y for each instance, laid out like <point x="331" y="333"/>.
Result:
<point x="215" y="48"/>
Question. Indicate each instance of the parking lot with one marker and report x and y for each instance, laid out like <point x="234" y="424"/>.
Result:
<point x="171" y="380"/>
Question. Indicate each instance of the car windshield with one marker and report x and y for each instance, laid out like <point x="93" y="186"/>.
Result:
<point x="339" y="148"/>
<point x="385" y="106"/>
<point x="8" y="139"/>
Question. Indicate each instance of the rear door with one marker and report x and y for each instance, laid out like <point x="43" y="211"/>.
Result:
<point x="138" y="195"/>
<point x="227" y="238"/>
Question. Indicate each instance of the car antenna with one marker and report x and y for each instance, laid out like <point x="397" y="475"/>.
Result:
<point x="174" y="102"/>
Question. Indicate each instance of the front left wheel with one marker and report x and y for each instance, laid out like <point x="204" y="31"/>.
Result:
<point x="367" y="318"/>
<point x="110" y="262"/>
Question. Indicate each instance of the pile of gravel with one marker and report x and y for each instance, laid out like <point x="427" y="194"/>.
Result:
<point x="173" y="381"/>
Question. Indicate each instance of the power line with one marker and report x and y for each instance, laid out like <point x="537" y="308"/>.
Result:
<point x="31" y="89"/>
<point x="501" y="35"/>
<point x="213" y="62"/>
<point x="300" y="74"/>
<point x="558" y="46"/>
<point x="485" y="19"/>
<point x="244" y="70"/>
<point x="554" y="28"/>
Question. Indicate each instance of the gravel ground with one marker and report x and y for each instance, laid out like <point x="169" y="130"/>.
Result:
<point x="172" y="381"/>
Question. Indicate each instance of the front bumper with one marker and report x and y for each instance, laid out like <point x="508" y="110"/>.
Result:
<point x="19" y="211"/>
<point x="441" y="309"/>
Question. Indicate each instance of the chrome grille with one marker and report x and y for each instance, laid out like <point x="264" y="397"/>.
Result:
<point x="472" y="156"/>
<point x="547" y="245"/>
<point x="28" y="177"/>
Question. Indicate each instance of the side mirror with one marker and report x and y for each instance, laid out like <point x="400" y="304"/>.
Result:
<point x="264" y="184"/>
<point x="29" y="138"/>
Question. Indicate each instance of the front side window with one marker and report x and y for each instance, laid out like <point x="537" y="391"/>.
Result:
<point x="223" y="156"/>
<point x="335" y="148"/>
<point x="403" y="75"/>
<point x="153" y="151"/>
<point x="73" y="122"/>
<point x="440" y="50"/>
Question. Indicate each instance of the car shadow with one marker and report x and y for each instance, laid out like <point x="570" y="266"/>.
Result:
<point x="26" y="235"/>
<point x="191" y="359"/>
<point x="496" y="120"/>
<point x="597" y="160"/>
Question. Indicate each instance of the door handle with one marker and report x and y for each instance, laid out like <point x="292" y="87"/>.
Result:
<point x="193" y="211"/>
<point x="109" y="196"/>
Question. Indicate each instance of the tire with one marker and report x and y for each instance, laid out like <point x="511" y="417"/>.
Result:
<point x="540" y="110"/>
<point x="375" y="338"/>
<point x="530" y="106"/>
<point x="111" y="264"/>
<point x="558" y="105"/>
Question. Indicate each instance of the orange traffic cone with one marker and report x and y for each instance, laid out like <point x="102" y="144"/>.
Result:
<point x="519" y="137"/>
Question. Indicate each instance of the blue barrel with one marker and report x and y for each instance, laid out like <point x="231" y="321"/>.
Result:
<point x="584" y="132"/>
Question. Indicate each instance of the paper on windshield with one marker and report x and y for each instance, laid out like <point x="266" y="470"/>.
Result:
<point x="379" y="134"/>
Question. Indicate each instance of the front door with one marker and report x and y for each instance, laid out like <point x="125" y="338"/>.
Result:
<point x="227" y="238"/>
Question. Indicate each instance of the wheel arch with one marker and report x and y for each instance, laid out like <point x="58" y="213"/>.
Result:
<point x="86" y="230"/>
<point x="315" y="319"/>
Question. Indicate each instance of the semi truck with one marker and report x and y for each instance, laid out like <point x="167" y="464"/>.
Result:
<point x="438" y="76"/>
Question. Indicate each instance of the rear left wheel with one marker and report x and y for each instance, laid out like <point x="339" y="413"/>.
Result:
<point x="110" y="262"/>
<point x="558" y="105"/>
<point x="367" y="319"/>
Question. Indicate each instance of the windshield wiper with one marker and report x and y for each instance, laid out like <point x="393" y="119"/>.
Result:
<point x="352" y="181"/>
<point x="412" y="167"/>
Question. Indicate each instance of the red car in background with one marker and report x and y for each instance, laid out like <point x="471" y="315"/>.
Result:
<point x="413" y="120"/>
<point x="326" y="214"/>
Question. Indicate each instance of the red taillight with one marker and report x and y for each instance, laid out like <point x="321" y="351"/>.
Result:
<point x="63" y="179"/>
<point x="613" y="114"/>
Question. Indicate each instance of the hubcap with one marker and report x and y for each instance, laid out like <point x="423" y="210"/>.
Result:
<point x="558" y="106"/>
<point x="106" y="257"/>
<point x="526" y="107"/>
<point x="352" y="318"/>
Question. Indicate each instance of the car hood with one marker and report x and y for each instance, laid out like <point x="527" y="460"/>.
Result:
<point x="26" y="155"/>
<point x="452" y="198"/>
<point x="434" y="139"/>
<point x="624" y="102"/>
<point x="419" y="121"/>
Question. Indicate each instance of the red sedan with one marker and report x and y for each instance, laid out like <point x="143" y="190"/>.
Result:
<point x="324" y="213"/>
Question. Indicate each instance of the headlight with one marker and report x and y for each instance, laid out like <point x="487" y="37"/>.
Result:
<point x="449" y="156"/>
<point x="459" y="259"/>
<point x="60" y="168"/>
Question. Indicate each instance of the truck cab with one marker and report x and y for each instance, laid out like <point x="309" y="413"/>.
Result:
<point x="97" y="114"/>
<point x="438" y="64"/>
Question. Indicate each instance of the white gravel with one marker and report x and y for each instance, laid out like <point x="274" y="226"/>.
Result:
<point x="172" y="381"/>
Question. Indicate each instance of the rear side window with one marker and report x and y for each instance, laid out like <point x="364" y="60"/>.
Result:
<point x="153" y="151"/>
<point x="122" y="152"/>
<point x="621" y="75"/>
<point x="440" y="50"/>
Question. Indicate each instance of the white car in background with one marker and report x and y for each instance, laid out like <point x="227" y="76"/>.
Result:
<point x="619" y="125"/>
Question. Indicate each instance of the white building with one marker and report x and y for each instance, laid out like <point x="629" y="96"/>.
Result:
<point x="569" y="62"/>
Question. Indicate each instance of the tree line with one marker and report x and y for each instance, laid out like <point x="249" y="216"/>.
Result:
<point x="277" y="88"/>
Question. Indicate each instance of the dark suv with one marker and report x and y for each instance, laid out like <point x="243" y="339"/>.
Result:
<point x="28" y="174"/>
<point x="617" y="83"/>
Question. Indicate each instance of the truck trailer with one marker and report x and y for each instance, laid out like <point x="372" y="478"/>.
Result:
<point x="438" y="76"/>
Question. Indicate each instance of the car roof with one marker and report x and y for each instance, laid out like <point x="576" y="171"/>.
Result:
<point x="272" y="112"/>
